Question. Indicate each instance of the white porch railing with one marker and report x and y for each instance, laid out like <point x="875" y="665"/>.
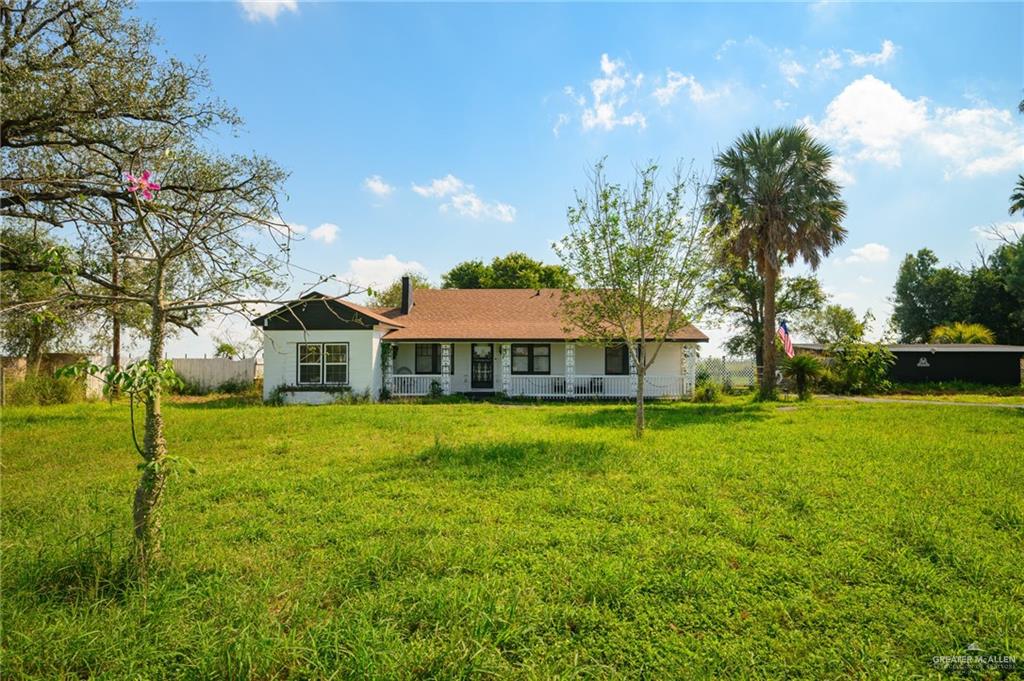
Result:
<point x="413" y="385"/>
<point x="589" y="387"/>
<point x="604" y="386"/>
<point x="536" y="386"/>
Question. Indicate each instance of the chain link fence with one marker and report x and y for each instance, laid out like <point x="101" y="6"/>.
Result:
<point x="728" y="372"/>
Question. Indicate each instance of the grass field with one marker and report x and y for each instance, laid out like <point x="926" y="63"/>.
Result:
<point x="449" y="541"/>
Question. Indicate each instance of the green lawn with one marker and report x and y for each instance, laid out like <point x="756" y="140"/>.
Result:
<point x="403" y="541"/>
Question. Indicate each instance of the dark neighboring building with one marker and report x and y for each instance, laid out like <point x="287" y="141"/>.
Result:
<point x="973" y="363"/>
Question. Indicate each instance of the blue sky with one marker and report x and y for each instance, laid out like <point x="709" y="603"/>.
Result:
<point x="420" y="135"/>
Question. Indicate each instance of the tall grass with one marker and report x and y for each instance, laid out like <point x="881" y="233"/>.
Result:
<point x="450" y="541"/>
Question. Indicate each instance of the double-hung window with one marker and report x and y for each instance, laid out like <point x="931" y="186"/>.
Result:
<point x="616" y="360"/>
<point x="428" y="358"/>
<point x="323" y="363"/>
<point x="531" y="359"/>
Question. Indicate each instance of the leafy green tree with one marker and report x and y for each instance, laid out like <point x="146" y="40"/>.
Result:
<point x="391" y="295"/>
<point x="837" y="324"/>
<point x="226" y="350"/>
<point x="467" y="274"/>
<point x="87" y="101"/>
<point x="515" y="270"/>
<point x="926" y="296"/>
<point x="736" y="296"/>
<point x="639" y="257"/>
<point x="34" y="317"/>
<point x="960" y="332"/>
<point x="773" y="202"/>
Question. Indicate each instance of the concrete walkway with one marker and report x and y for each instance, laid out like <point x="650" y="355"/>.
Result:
<point x="943" y="403"/>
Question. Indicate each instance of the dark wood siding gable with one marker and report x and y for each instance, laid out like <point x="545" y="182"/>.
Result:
<point x="314" y="315"/>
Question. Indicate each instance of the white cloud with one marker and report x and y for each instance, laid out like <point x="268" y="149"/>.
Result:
<point x="791" y="70"/>
<point x="873" y="118"/>
<point x="869" y="253"/>
<point x="877" y="59"/>
<point x="379" y="272"/>
<point x="326" y="232"/>
<point x="977" y="141"/>
<point x="610" y="94"/>
<point x="449" y="184"/>
<point x="725" y="47"/>
<point x="258" y="10"/>
<point x="830" y="62"/>
<point x="870" y="120"/>
<point x="675" y="81"/>
<point x="780" y="104"/>
<point x="375" y="184"/>
<point x="1000" y="231"/>
<point x="462" y="199"/>
<point x="562" y="120"/>
<point x="861" y="279"/>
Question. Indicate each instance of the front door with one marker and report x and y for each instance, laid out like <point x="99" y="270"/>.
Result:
<point x="482" y="369"/>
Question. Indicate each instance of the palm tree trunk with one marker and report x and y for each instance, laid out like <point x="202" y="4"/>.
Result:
<point x="768" y="333"/>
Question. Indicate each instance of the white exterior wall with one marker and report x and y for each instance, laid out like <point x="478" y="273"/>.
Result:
<point x="280" y="361"/>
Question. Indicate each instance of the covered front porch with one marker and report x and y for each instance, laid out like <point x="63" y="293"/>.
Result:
<point x="556" y="370"/>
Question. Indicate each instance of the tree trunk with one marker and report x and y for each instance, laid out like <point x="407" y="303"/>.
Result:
<point x="145" y="513"/>
<point x="768" y="336"/>
<point x="34" y="355"/>
<point x="115" y="280"/>
<point x="641" y="371"/>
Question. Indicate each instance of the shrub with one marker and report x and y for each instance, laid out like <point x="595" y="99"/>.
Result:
<point x="435" y="390"/>
<point x="709" y="392"/>
<point x="42" y="390"/>
<point x="235" y="387"/>
<point x="859" y="368"/>
<point x="804" y="371"/>
<point x="350" y="397"/>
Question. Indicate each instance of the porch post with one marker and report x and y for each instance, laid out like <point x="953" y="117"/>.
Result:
<point x="506" y="367"/>
<point x="570" y="370"/>
<point x="387" y="358"/>
<point x="688" y="367"/>
<point x="446" y="366"/>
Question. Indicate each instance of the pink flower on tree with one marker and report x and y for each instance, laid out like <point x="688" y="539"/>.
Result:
<point x="142" y="185"/>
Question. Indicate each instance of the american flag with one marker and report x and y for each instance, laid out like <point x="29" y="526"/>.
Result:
<point x="787" y="342"/>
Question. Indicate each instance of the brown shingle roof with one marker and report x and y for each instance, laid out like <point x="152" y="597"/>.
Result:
<point x="490" y="315"/>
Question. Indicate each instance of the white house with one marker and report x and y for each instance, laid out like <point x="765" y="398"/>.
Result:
<point x="474" y="341"/>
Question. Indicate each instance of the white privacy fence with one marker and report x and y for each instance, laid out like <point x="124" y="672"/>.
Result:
<point x="209" y="373"/>
<point x="729" y="372"/>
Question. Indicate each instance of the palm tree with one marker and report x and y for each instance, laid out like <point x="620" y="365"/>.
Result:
<point x="771" y="202"/>
<point x="1017" y="197"/>
<point x="962" y="332"/>
<point x="804" y="370"/>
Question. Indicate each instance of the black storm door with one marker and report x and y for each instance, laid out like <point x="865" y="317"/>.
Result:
<point x="482" y="369"/>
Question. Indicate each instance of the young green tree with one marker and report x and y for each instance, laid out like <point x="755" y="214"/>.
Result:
<point x="639" y="257"/>
<point x="194" y="239"/>
<point x="773" y="202"/>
